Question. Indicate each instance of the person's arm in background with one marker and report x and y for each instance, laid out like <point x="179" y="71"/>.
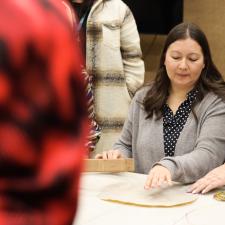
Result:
<point x="131" y="53"/>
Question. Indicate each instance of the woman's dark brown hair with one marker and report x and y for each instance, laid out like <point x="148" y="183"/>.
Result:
<point x="210" y="78"/>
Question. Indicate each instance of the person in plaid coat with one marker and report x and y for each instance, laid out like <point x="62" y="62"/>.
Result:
<point x="43" y="114"/>
<point x="111" y="45"/>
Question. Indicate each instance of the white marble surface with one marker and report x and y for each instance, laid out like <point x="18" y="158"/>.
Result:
<point x="94" y="211"/>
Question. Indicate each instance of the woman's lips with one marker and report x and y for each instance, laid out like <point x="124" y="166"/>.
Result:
<point x="183" y="74"/>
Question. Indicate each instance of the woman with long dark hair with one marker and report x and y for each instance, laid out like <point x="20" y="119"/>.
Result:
<point x="173" y="130"/>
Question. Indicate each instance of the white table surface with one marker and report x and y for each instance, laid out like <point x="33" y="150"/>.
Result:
<point x="94" y="211"/>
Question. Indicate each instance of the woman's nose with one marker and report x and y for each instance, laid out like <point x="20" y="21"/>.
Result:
<point x="183" y="64"/>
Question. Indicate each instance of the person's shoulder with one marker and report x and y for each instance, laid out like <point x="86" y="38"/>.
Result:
<point x="211" y="97"/>
<point x="119" y="3"/>
<point x="142" y="92"/>
<point x="211" y="103"/>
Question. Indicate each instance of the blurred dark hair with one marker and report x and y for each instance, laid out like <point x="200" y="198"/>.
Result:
<point x="210" y="78"/>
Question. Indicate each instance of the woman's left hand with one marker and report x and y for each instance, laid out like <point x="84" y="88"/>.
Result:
<point x="158" y="176"/>
<point x="214" y="179"/>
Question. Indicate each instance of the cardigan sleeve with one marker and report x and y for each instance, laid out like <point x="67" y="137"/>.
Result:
<point x="209" y="151"/>
<point x="131" y="53"/>
<point x="124" y="143"/>
<point x="128" y="136"/>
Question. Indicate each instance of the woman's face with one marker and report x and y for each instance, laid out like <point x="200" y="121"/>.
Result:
<point x="184" y="62"/>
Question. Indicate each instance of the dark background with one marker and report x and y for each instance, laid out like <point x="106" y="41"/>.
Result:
<point x="156" y="16"/>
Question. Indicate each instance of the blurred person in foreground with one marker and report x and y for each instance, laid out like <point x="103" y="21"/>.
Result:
<point x="43" y="115"/>
<point x="174" y="128"/>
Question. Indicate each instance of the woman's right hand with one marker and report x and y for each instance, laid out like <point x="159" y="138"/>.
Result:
<point x="111" y="154"/>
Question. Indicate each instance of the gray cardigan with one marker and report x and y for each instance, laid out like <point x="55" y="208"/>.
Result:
<point x="200" y="146"/>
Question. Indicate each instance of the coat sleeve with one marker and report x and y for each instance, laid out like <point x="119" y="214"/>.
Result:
<point x="131" y="53"/>
<point x="209" y="151"/>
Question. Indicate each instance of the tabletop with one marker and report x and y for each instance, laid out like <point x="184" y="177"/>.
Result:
<point x="94" y="211"/>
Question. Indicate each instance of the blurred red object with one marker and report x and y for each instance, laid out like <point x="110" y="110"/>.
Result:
<point x="43" y="114"/>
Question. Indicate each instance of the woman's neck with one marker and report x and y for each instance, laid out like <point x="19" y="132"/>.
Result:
<point x="176" y="97"/>
<point x="179" y="92"/>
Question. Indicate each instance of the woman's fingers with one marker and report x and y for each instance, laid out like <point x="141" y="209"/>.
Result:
<point x="198" y="187"/>
<point x="111" y="154"/>
<point x="155" y="179"/>
<point x="148" y="182"/>
<point x="214" y="179"/>
<point x="117" y="154"/>
<point x="98" y="156"/>
<point x="205" y="185"/>
<point x="158" y="176"/>
<point x="168" y="179"/>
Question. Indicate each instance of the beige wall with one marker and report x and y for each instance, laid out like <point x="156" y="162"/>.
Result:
<point x="210" y="16"/>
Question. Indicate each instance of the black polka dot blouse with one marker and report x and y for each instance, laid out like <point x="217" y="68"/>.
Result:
<point x="174" y="124"/>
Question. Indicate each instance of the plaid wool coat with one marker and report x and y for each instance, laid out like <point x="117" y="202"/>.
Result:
<point x="113" y="59"/>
